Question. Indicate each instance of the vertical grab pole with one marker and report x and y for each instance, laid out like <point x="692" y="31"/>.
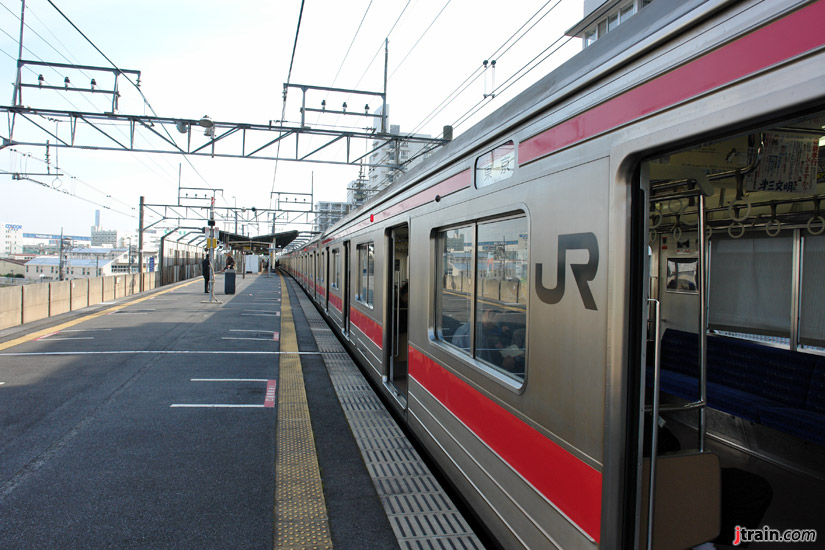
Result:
<point x="654" y="431"/>
<point x="703" y="321"/>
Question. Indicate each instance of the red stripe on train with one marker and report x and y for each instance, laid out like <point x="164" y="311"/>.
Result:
<point x="367" y="326"/>
<point x="784" y="39"/>
<point x="572" y="486"/>
<point x="336" y="302"/>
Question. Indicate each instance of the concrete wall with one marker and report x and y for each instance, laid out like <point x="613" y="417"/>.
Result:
<point x="60" y="297"/>
<point x="132" y="284"/>
<point x="11" y="306"/>
<point x="95" y="290"/>
<point x="27" y="303"/>
<point x="80" y="293"/>
<point x="35" y="302"/>
<point x="108" y="289"/>
<point x="120" y="286"/>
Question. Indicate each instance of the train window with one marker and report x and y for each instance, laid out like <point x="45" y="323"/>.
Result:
<point x="366" y="280"/>
<point x="336" y="269"/>
<point x="501" y="321"/>
<point x="455" y="252"/>
<point x="759" y="267"/>
<point x="812" y="322"/>
<point x="322" y="268"/>
<point x="496" y="263"/>
<point x="496" y="165"/>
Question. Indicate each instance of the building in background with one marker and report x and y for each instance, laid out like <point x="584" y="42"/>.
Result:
<point x="357" y="192"/>
<point x="327" y="213"/>
<point x="104" y="237"/>
<point x="47" y="268"/>
<point x="43" y="244"/>
<point x="603" y="16"/>
<point x="380" y="175"/>
<point x="10" y="267"/>
<point x="12" y="239"/>
<point x="82" y="262"/>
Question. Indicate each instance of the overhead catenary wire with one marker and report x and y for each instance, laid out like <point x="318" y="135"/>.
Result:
<point x="286" y="87"/>
<point x="28" y="156"/>
<point x="135" y="85"/>
<point x="381" y="48"/>
<point x="163" y="176"/>
<point x="76" y="108"/>
<point x="515" y="77"/>
<point x="352" y="42"/>
<point x="502" y="50"/>
<point x="412" y="49"/>
<point x="72" y="60"/>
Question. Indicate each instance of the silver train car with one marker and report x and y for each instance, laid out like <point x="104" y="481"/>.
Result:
<point x="635" y="240"/>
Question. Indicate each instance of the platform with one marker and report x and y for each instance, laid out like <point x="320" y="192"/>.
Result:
<point x="161" y="421"/>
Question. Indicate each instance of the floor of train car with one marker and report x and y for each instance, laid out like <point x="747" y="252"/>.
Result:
<point x="797" y="497"/>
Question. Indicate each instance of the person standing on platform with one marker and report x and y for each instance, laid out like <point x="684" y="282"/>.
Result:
<point x="207" y="273"/>
<point x="230" y="262"/>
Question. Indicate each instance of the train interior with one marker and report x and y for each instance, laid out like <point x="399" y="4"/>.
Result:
<point x="736" y="235"/>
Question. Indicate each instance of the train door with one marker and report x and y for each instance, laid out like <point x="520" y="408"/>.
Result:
<point x="397" y="311"/>
<point x="661" y="466"/>
<point x="730" y="249"/>
<point x="326" y="271"/>
<point x="315" y="275"/>
<point x="346" y="290"/>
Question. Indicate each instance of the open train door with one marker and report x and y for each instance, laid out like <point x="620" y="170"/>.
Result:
<point x="397" y="311"/>
<point x="345" y="295"/>
<point x="678" y="489"/>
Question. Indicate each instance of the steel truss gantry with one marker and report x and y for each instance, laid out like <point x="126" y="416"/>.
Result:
<point x="224" y="139"/>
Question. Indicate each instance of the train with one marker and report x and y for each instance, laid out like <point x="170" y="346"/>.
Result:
<point x="635" y="241"/>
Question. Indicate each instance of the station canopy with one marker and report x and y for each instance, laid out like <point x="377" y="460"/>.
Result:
<point x="259" y="244"/>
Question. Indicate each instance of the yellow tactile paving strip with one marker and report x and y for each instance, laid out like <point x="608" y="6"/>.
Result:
<point x="300" y="510"/>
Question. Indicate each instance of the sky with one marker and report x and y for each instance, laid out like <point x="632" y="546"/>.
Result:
<point x="229" y="61"/>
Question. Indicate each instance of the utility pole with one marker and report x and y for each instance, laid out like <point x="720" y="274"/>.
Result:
<point x="18" y="99"/>
<point x="386" y="63"/>
<point x="60" y="261"/>
<point x="140" y="244"/>
<point x="212" y="247"/>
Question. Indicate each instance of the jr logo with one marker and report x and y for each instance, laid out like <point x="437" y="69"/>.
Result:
<point x="581" y="272"/>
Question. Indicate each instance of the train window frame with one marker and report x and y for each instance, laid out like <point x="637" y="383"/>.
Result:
<point x="440" y="276"/>
<point x="322" y="268"/>
<point x="471" y="356"/>
<point x="336" y="269"/>
<point x="363" y="279"/>
<point x="488" y="174"/>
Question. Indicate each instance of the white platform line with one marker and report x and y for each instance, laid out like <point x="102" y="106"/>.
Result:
<point x="251" y="330"/>
<point x="150" y="352"/>
<point x="243" y="338"/>
<point x="261" y="314"/>
<point x="69" y="338"/>
<point x="84" y="329"/>
<point x="213" y="406"/>
<point x="229" y="380"/>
